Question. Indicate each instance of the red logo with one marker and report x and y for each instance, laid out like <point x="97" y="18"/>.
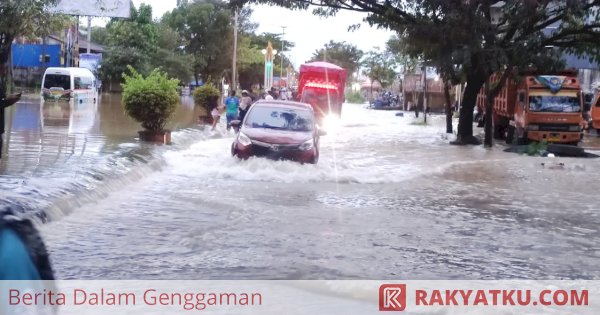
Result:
<point x="392" y="297"/>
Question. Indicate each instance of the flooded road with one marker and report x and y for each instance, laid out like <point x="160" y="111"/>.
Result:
<point x="54" y="151"/>
<point x="388" y="199"/>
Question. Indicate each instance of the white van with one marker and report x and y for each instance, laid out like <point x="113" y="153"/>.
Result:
<point x="78" y="84"/>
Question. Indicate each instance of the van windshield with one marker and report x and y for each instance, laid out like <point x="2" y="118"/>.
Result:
<point x="57" y="81"/>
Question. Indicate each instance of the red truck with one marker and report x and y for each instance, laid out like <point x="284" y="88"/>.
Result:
<point x="538" y="108"/>
<point x="321" y="84"/>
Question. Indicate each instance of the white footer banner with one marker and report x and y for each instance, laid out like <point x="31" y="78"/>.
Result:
<point x="313" y="297"/>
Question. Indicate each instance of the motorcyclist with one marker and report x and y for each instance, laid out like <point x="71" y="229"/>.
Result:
<point x="23" y="255"/>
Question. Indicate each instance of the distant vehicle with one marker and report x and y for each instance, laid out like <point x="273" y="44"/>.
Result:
<point x="322" y="84"/>
<point x="278" y="130"/>
<point x="546" y="107"/>
<point x="69" y="83"/>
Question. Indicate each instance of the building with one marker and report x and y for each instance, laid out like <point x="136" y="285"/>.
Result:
<point x="412" y="88"/>
<point x="30" y="58"/>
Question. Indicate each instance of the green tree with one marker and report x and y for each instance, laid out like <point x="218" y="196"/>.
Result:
<point x="100" y="35"/>
<point x="379" y="66"/>
<point x="206" y="30"/>
<point x="169" y="57"/>
<point x="396" y="46"/>
<point x="477" y="38"/>
<point x="343" y="54"/>
<point x="250" y="63"/>
<point x="131" y="42"/>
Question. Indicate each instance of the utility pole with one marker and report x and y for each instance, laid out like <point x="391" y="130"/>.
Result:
<point x="234" y="61"/>
<point x="424" y="93"/>
<point x="282" y="49"/>
<point x="89" y="35"/>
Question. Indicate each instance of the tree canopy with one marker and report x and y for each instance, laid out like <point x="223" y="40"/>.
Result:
<point x="379" y="66"/>
<point x="343" y="54"/>
<point x="206" y="29"/>
<point x="130" y="42"/>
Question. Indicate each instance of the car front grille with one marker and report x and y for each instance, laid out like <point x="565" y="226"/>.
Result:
<point x="273" y="150"/>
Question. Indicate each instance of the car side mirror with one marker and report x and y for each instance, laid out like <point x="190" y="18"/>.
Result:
<point x="321" y="132"/>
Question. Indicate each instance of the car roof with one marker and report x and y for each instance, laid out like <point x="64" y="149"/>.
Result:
<point x="282" y="103"/>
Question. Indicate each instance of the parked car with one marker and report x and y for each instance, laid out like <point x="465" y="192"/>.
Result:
<point x="278" y="130"/>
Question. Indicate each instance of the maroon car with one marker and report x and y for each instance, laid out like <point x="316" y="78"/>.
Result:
<point x="278" y="130"/>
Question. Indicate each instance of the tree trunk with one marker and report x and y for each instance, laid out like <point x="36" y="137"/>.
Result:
<point x="196" y="78"/>
<point x="465" y="121"/>
<point x="489" y="123"/>
<point x="448" y="107"/>
<point x="418" y="104"/>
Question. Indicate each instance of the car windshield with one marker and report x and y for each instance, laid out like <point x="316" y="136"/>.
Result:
<point x="555" y="104"/>
<point x="57" y="81"/>
<point x="280" y="118"/>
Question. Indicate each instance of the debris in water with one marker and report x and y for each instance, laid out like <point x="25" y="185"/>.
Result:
<point x="553" y="166"/>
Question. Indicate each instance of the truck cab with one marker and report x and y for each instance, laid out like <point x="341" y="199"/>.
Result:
<point x="549" y="108"/>
<point x="594" y="122"/>
<point x="321" y="85"/>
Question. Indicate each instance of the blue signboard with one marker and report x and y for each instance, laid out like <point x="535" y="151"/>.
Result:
<point x="32" y="55"/>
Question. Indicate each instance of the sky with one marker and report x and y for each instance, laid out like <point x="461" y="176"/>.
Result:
<point x="307" y="31"/>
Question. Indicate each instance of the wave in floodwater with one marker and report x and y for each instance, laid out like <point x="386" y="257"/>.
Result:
<point x="54" y="192"/>
<point x="212" y="160"/>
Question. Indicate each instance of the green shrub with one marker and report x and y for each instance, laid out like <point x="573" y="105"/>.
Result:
<point x="536" y="148"/>
<point x="354" y="97"/>
<point x="207" y="96"/>
<point x="150" y="100"/>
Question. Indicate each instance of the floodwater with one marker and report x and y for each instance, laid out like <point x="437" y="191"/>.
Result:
<point x="388" y="199"/>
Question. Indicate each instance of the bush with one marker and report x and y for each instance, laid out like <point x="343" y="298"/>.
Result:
<point x="150" y="100"/>
<point x="207" y="96"/>
<point x="354" y="97"/>
<point x="536" y="148"/>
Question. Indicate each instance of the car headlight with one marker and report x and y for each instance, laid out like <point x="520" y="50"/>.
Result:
<point x="534" y="127"/>
<point x="574" y="128"/>
<point x="243" y="139"/>
<point x="307" y="145"/>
